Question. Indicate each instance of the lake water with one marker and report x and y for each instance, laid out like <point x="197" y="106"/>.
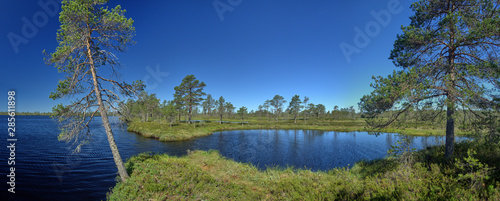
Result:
<point x="46" y="169"/>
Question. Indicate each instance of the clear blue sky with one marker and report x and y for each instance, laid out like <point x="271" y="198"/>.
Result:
<point x="259" y="49"/>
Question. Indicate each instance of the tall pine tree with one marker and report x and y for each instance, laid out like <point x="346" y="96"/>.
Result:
<point x="89" y="35"/>
<point x="190" y="93"/>
<point x="448" y="58"/>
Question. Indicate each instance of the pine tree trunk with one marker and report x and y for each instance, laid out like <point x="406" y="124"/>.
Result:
<point x="450" y="130"/>
<point x="189" y="114"/>
<point x="107" y="127"/>
<point x="112" y="144"/>
<point x="450" y="108"/>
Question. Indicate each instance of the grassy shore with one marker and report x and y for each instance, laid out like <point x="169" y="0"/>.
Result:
<point x="426" y="175"/>
<point x="473" y="173"/>
<point x="183" y="131"/>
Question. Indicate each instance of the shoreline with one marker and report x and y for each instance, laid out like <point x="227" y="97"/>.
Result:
<point x="181" y="132"/>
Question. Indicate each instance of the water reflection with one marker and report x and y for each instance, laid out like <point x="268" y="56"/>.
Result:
<point x="313" y="149"/>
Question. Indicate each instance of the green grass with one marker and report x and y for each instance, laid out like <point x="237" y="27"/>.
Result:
<point x="208" y="176"/>
<point x="183" y="131"/>
<point x="204" y="175"/>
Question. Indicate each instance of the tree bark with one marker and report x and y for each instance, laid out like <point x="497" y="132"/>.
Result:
<point x="450" y="130"/>
<point x="190" y="106"/>
<point x="104" y="116"/>
<point x="112" y="144"/>
<point x="450" y="107"/>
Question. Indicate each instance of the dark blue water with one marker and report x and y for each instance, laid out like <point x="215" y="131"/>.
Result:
<point x="47" y="169"/>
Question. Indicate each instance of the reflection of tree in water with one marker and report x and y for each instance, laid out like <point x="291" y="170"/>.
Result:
<point x="311" y="135"/>
<point x="243" y="147"/>
<point x="315" y="149"/>
<point x="425" y="142"/>
<point x="389" y="139"/>
<point x="296" y="144"/>
<point x="335" y="136"/>
<point x="221" y="138"/>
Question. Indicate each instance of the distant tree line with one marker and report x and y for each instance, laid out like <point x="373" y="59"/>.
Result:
<point x="110" y="113"/>
<point x="190" y="101"/>
<point x="29" y="113"/>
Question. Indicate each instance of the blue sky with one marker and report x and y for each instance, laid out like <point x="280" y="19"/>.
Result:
<point x="247" y="53"/>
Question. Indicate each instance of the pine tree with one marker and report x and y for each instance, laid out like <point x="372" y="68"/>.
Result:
<point x="448" y="58"/>
<point x="88" y="36"/>
<point x="190" y="93"/>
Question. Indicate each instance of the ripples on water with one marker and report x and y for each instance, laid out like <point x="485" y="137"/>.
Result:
<point x="47" y="169"/>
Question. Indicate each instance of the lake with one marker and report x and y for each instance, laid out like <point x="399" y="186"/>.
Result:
<point x="46" y="169"/>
